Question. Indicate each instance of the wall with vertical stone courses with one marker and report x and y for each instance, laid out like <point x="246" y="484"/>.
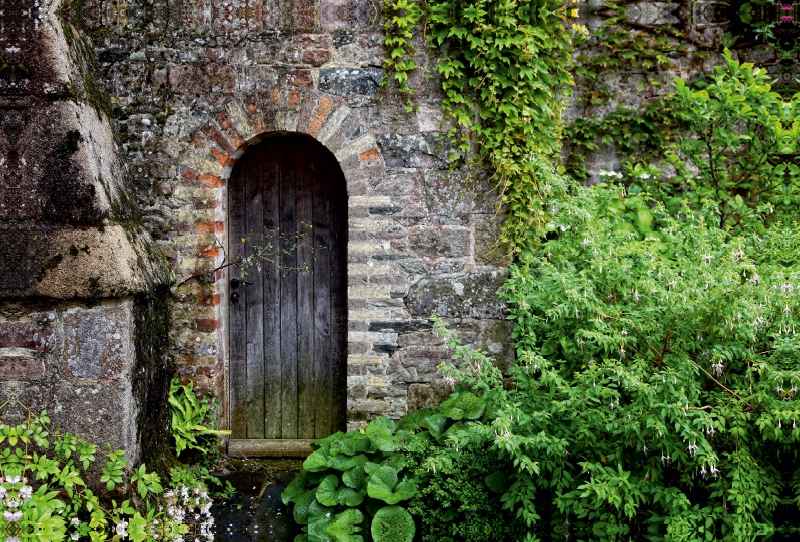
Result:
<point x="194" y="83"/>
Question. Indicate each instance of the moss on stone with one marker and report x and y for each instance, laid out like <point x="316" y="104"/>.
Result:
<point x="151" y="378"/>
<point x="48" y="265"/>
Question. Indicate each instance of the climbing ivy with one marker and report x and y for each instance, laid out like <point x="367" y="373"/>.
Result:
<point x="398" y="27"/>
<point x="503" y="71"/>
<point x="601" y="116"/>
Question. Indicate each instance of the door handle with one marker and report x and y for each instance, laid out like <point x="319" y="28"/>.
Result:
<point x="235" y="282"/>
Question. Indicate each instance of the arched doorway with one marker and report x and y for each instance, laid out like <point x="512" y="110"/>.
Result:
<point x="288" y="329"/>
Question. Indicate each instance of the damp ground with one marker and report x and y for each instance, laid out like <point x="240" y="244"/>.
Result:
<point x="256" y="513"/>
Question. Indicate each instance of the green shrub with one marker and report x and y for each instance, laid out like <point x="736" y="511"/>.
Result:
<point x="455" y="504"/>
<point x="44" y="496"/>
<point x="351" y="485"/>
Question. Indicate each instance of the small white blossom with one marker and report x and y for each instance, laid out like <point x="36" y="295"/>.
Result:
<point x="25" y="493"/>
<point x="12" y="516"/>
<point x="121" y="529"/>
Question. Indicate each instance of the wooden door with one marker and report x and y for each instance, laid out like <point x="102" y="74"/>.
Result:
<point x="288" y="332"/>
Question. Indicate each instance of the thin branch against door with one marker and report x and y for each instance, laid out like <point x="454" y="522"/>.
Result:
<point x="272" y="245"/>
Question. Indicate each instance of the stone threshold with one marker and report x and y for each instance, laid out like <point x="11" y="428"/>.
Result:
<point x="283" y="448"/>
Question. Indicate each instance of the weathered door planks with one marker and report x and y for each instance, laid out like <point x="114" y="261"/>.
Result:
<point x="288" y="330"/>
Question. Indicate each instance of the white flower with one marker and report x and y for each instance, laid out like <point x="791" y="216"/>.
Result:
<point x="25" y="493"/>
<point x="75" y="521"/>
<point x="12" y="516"/>
<point x="121" y="529"/>
<point x="13" y="539"/>
<point x="13" y="503"/>
<point x="706" y="258"/>
<point x="717" y="367"/>
<point x="75" y="536"/>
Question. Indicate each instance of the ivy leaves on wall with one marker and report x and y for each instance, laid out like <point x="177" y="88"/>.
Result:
<point x="503" y="71"/>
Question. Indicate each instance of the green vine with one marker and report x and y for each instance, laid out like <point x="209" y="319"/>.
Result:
<point x="602" y="118"/>
<point x="398" y="32"/>
<point x="503" y="66"/>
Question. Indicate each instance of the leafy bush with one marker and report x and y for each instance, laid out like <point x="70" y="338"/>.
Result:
<point x="43" y="494"/>
<point x="351" y="484"/>
<point x="192" y="420"/>
<point x="455" y="502"/>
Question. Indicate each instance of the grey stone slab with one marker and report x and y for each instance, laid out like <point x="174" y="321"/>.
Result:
<point x="347" y="81"/>
<point x="467" y="296"/>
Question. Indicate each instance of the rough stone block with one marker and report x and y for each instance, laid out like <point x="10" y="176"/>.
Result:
<point x="467" y="296"/>
<point x="97" y="343"/>
<point x="21" y="368"/>
<point x="422" y="396"/>
<point x="489" y="250"/>
<point x="208" y="77"/>
<point x="441" y="243"/>
<point x="291" y="15"/>
<point x="414" y="150"/>
<point x="346" y="14"/>
<point x="346" y="81"/>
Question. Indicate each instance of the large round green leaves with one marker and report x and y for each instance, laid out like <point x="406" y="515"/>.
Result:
<point x="393" y="524"/>
<point x="383" y="484"/>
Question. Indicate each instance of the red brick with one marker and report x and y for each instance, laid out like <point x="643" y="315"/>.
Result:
<point x="230" y="130"/>
<point x="276" y="97"/>
<point x="206" y="324"/>
<point x="208" y="227"/>
<point x="294" y="98"/>
<point x="221" y="157"/>
<point x="201" y="143"/>
<point x="206" y="252"/>
<point x="254" y="116"/>
<point x="188" y="172"/>
<point x="212" y="181"/>
<point x="209" y="300"/>
<point x="369" y="154"/>
<point x="218" y="138"/>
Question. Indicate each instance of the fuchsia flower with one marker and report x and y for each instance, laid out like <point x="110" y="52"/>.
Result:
<point x="786" y="18"/>
<point x="787" y="7"/>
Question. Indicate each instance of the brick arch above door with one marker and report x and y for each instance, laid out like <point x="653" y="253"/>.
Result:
<point x="241" y="123"/>
<point x="204" y="170"/>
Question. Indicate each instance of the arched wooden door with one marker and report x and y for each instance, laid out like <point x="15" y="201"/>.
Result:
<point x="288" y="330"/>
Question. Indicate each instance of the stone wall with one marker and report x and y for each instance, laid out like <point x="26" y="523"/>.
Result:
<point x="82" y="284"/>
<point x="195" y="82"/>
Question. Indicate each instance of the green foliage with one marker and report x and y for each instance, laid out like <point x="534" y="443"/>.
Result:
<point x="743" y="141"/>
<point x="191" y="418"/>
<point x="398" y="26"/>
<point x="453" y="502"/>
<point x="44" y="497"/>
<point x="502" y="66"/>
<point x="605" y="118"/>
<point x="347" y="483"/>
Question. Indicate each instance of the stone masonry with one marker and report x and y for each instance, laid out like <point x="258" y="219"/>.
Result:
<point x="83" y="286"/>
<point x="194" y="83"/>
